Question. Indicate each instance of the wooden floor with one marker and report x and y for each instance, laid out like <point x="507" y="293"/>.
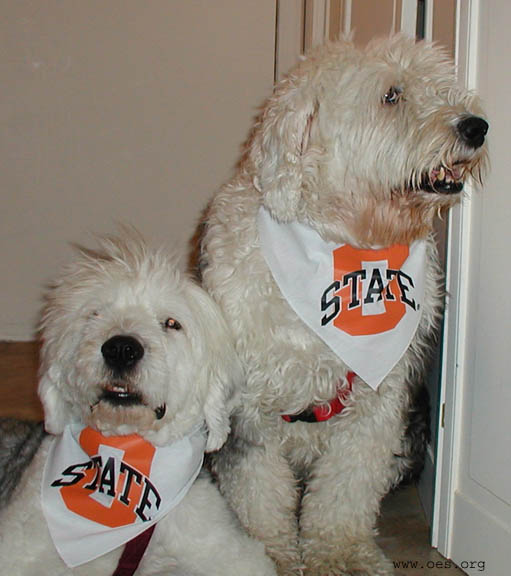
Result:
<point x="18" y="380"/>
<point x="404" y="534"/>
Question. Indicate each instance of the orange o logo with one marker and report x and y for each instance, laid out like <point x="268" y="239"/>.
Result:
<point x="365" y="278"/>
<point x="123" y="483"/>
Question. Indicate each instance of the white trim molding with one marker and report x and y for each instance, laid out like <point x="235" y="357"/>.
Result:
<point x="409" y="17"/>
<point x="458" y="249"/>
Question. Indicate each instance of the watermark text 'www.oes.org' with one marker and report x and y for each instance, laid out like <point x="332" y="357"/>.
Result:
<point x="478" y="565"/>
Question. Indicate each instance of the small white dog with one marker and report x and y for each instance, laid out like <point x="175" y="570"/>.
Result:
<point x="321" y="254"/>
<point x="133" y="351"/>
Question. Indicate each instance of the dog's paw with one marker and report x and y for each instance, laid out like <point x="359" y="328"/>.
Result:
<point x="334" y="569"/>
<point x="360" y="559"/>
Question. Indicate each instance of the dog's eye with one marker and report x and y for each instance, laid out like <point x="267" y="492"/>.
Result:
<point x="392" y="96"/>
<point x="171" y="324"/>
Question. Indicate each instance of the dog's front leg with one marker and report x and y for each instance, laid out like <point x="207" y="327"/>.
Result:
<point x="342" y="500"/>
<point x="260" y="485"/>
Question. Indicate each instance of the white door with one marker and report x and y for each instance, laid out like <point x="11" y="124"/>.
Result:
<point x="475" y="483"/>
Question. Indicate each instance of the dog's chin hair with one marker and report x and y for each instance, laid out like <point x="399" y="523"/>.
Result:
<point x="369" y="221"/>
<point x="401" y="220"/>
<point x="121" y="420"/>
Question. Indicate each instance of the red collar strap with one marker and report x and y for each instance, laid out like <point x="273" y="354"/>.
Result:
<point x="324" y="412"/>
<point x="133" y="552"/>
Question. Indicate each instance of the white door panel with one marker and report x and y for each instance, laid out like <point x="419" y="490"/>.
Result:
<point x="475" y="516"/>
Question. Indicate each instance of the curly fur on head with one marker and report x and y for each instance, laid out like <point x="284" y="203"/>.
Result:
<point x="351" y="139"/>
<point x="187" y="367"/>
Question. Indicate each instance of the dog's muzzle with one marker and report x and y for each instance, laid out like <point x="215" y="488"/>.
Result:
<point x="449" y="179"/>
<point x="121" y="354"/>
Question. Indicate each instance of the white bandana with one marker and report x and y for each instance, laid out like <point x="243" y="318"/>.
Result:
<point x="100" y="492"/>
<point x="364" y="304"/>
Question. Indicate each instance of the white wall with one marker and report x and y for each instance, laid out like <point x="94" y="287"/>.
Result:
<point x="117" y="111"/>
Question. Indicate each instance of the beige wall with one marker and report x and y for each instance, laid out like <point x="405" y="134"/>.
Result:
<point x="117" y="111"/>
<point x="370" y="18"/>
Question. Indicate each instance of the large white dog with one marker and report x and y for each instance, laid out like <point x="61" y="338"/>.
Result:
<point x="137" y="381"/>
<point x="320" y="252"/>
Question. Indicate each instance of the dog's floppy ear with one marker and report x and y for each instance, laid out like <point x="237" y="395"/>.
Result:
<point x="280" y="143"/>
<point x="220" y="372"/>
<point x="56" y="410"/>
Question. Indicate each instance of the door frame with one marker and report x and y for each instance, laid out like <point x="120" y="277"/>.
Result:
<point x="455" y="323"/>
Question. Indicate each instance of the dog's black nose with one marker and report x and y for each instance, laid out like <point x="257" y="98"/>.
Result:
<point x="122" y="352"/>
<point x="472" y="130"/>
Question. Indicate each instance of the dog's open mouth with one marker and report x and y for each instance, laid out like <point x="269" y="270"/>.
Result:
<point x="444" y="180"/>
<point x="119" y="394"/>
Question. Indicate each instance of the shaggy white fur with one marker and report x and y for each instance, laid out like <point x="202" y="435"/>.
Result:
<point x="365" y="147"/>
<point x="185" y="377"/>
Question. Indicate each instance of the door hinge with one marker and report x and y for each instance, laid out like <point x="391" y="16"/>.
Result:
<point x="442" y="416"/>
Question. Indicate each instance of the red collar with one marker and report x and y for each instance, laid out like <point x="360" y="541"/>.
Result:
<point x="323" y="412"/>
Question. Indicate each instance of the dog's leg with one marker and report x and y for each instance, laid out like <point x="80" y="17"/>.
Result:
<point x="260" y="485"/>
<point x="343" y="494"/>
